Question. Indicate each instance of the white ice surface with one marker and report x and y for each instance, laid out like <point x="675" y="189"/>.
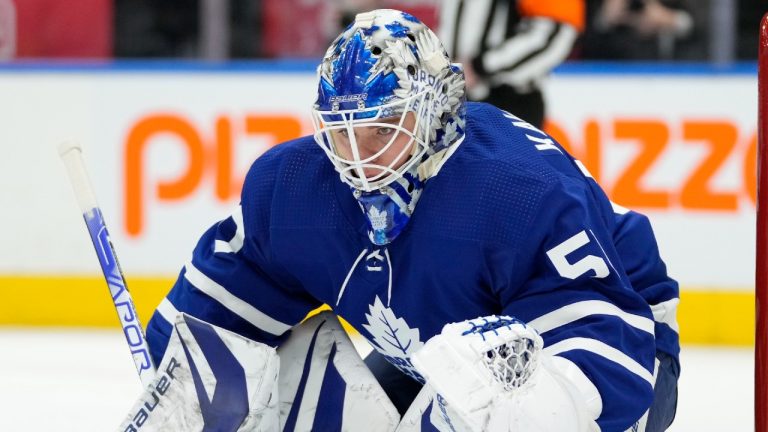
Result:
<point x="84" y="380"/>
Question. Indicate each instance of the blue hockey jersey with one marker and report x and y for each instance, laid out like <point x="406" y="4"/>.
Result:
<point x="511" y="225"/>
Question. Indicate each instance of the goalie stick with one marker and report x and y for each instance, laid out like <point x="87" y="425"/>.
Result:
<point x="71" y="154"/>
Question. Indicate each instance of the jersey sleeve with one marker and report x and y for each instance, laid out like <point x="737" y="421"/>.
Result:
<point x="636" y="244"/>
<point x="572" y="288"/>
<point x="231" y="280"/>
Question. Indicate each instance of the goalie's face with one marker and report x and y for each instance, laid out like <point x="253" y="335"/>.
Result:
<point x="380" y="148"/>
<point x="372" y="147"/>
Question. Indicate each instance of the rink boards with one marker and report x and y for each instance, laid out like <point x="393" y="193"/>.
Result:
<point x="169" y="144"/>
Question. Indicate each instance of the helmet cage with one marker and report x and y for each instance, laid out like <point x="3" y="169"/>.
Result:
<point x="352" y="171"/>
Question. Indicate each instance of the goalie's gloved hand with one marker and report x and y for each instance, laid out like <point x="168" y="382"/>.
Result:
<point x="493" y="373"/>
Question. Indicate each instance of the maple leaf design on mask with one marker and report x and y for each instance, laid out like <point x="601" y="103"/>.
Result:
<point x="377" y="218"/>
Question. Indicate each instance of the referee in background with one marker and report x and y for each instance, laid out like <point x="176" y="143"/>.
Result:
<point x="507" y="47"/>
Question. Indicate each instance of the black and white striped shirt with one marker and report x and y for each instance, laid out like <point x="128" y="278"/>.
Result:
<point x="507" y="43"/>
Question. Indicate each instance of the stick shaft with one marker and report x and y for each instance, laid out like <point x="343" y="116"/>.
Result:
<point x="71" y="154"/>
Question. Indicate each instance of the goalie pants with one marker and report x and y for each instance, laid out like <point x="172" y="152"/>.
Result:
<point x="664" y="404"/>
<point x="401" y="389"/>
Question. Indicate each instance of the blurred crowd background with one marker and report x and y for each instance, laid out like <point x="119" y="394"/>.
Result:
<point x="717" y="31"/>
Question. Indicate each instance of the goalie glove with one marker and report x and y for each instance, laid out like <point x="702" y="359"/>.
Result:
<point x="493" y="373"/>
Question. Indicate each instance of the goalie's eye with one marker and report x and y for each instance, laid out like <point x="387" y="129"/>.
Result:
<point x="384" y="131"/>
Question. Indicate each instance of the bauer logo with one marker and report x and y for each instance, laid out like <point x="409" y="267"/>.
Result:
<point x="153" y="399"/>
<point x="349" y="98"/>
<point x="442" y="403"/>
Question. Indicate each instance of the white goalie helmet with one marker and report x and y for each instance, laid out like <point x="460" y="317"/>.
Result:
<point x="389" y="101"/>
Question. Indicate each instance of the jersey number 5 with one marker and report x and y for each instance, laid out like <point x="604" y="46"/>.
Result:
<point x="571" y="271"/>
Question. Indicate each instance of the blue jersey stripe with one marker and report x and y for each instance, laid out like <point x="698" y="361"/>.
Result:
<point x="604" y="350"/>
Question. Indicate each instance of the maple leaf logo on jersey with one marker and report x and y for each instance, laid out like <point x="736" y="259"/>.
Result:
<point x="377" y="218"/>
<point x="393" y="338"/>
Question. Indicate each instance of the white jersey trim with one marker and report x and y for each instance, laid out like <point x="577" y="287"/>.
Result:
<point x="241" y="308"/>
<point x="575" y="311"/>
<point x="604" y="350"/>
<point x="666" y="313"/>
<point x="236" y="242"/>
<point x="583" y="169"/>
<point x="167" y="310"/>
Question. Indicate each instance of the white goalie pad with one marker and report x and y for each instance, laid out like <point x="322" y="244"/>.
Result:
<point x="430" y="412"/>
<point x="209" y="379"/>
<point x="324" y="384"/>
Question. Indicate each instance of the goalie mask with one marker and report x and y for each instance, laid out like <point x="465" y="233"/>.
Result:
<point x="389" y="111"/>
